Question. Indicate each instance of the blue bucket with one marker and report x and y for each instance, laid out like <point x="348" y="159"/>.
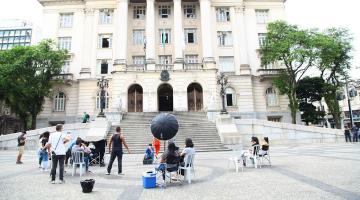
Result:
<point x="149" y="180"/>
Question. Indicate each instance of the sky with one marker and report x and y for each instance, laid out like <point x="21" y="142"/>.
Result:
<point x="320" y="14"/>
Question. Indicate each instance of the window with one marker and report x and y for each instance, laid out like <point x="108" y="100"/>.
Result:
<point x="139" y="12"/>
<point x="262" y="37"/>
<point x="165" y="36"/>
<point x="226" y="63"/>
<point x="64" y="43"/>
<point x="262" y="16"/>
<point x="230" y="97"/>
<point x="11" y="38"/>
<point x="222" y="14"/>
<point x="224" y="38"/>
<point x="274" y="118"/>
<point x="138" y="37"/>
<point x="106" y="16"/>
<point x="190" y="35"/>
<point x="66" y="20"/>
<point x="65" y="67"/>
<point x="271" y="98"/>
<point x="106" y="100"/>
<point x="189" y="11"/>
<point x="164" y="11"/>
<point x="59" y="102"/>
<point x="191" y="59"/>
<point x="138" y="60"/>
<point x="105" y="40"/>
<point x="103" y="67"/>
<point x="165" y="59"/>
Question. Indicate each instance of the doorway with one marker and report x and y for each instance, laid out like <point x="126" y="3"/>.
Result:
<point x="135" y="98"/>
<point x="165" y="97"/>
<point x="195" y="97"/>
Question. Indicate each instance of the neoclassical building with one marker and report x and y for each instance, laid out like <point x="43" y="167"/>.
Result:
<point x="162" y="55"/>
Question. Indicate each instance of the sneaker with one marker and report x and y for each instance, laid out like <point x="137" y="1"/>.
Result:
<point x="61" y="182"/>
<point x="19" y="162"/>
<point x="52" y="182"/>
<point x="107" y="173"/>
<point x="120" y="174"/>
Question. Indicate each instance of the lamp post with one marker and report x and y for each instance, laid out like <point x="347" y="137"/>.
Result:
<point x="350" y="94"/>
<point x="222" y="81"/>
<point x="102" y="84"/>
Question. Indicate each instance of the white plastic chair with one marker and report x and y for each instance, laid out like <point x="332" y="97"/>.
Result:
<point x="255" y="156"/>
<point x="237" y="159"/>
<point x="265" y="156"/>
<point x="78" y="159"/>
<point x="188" y="167"/>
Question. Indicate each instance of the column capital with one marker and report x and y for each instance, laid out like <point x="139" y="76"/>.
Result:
<point x="89" y="11"/>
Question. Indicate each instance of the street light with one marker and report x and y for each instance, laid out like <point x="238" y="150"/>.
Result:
<point x="102" y="84"/>
<point x="350" y="94"/>
<point x="222" y="80"/>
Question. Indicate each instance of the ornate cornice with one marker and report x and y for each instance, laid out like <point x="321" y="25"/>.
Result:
<point x="61" y="2"/>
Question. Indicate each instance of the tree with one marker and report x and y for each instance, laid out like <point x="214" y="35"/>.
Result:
<point x="29" y="77"/>
<point x="294" y="48"/>
<point x="334" y="63"/>
<point x="309" y="90"/>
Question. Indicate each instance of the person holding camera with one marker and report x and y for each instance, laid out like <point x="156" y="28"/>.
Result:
<point x="56" y="144"/>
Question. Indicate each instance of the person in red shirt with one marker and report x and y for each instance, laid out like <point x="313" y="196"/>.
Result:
<point x="156" y="144"/>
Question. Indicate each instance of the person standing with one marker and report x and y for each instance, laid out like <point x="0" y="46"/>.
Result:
<point x="347" y="134"/>
<point x="21" y="146"/>
<point x="116" y="142"/>
<point x="56" y="144"/>
<point x="354" y="131"/>
<point x="156" y="143"/>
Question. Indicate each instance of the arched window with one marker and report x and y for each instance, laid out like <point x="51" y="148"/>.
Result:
<point x="59" y="102"/>
<point x="271" y="98"/>
<point x="230" y="97"/>
<point x="98" y="100"/>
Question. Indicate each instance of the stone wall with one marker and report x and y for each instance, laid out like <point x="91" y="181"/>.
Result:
<point x="285" y="133"/>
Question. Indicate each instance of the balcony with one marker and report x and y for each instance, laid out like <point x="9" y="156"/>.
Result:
<point x="160" y="67"/>
<point x="136" y="67"/>
<point x="269" y="73"/>
<point x="193" y="66"/>
<point x="65" y="77"/>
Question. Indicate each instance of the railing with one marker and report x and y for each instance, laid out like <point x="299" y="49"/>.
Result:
<point x="269" y="72"/>
<point x="67" y="76"/>
<point x="160" y="67"/>
<point x="136" y="67"/>
<point x="193" y="66"/>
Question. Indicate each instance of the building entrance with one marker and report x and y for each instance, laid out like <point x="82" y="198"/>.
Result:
<point x="135" y="98"/>
<point x="165" y="97"/>
<point x="195" y="97"/>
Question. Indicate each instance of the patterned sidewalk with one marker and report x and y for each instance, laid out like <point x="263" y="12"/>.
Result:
<point x="329" y="171"/>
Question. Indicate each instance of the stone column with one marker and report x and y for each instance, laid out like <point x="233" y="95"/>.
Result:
<point x="121" y="30"/>
<point x="150" y="35"/>
<point x="234" y="12"/>
<point x="178" y="35"/>
<point x="244" y="59"/>
<point x="86" y="70"/>
<point x="206" y="30"/>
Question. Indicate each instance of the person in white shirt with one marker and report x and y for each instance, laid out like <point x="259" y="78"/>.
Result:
<point x="188" y="150"/>
<point x="56" y="145"/>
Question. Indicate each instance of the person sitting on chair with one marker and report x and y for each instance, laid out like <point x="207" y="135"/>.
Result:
<point x="264" y="146"/>
<point x="169" y="161"/>
<point x="251" y="151"/>
<point x="80" y="147"/>
<point x="188" y="150"/>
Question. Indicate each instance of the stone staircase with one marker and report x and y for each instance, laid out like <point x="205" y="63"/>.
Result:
<point x="136" y="129"/>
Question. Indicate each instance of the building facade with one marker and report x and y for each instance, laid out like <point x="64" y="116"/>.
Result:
<point x="162" y="55"/>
